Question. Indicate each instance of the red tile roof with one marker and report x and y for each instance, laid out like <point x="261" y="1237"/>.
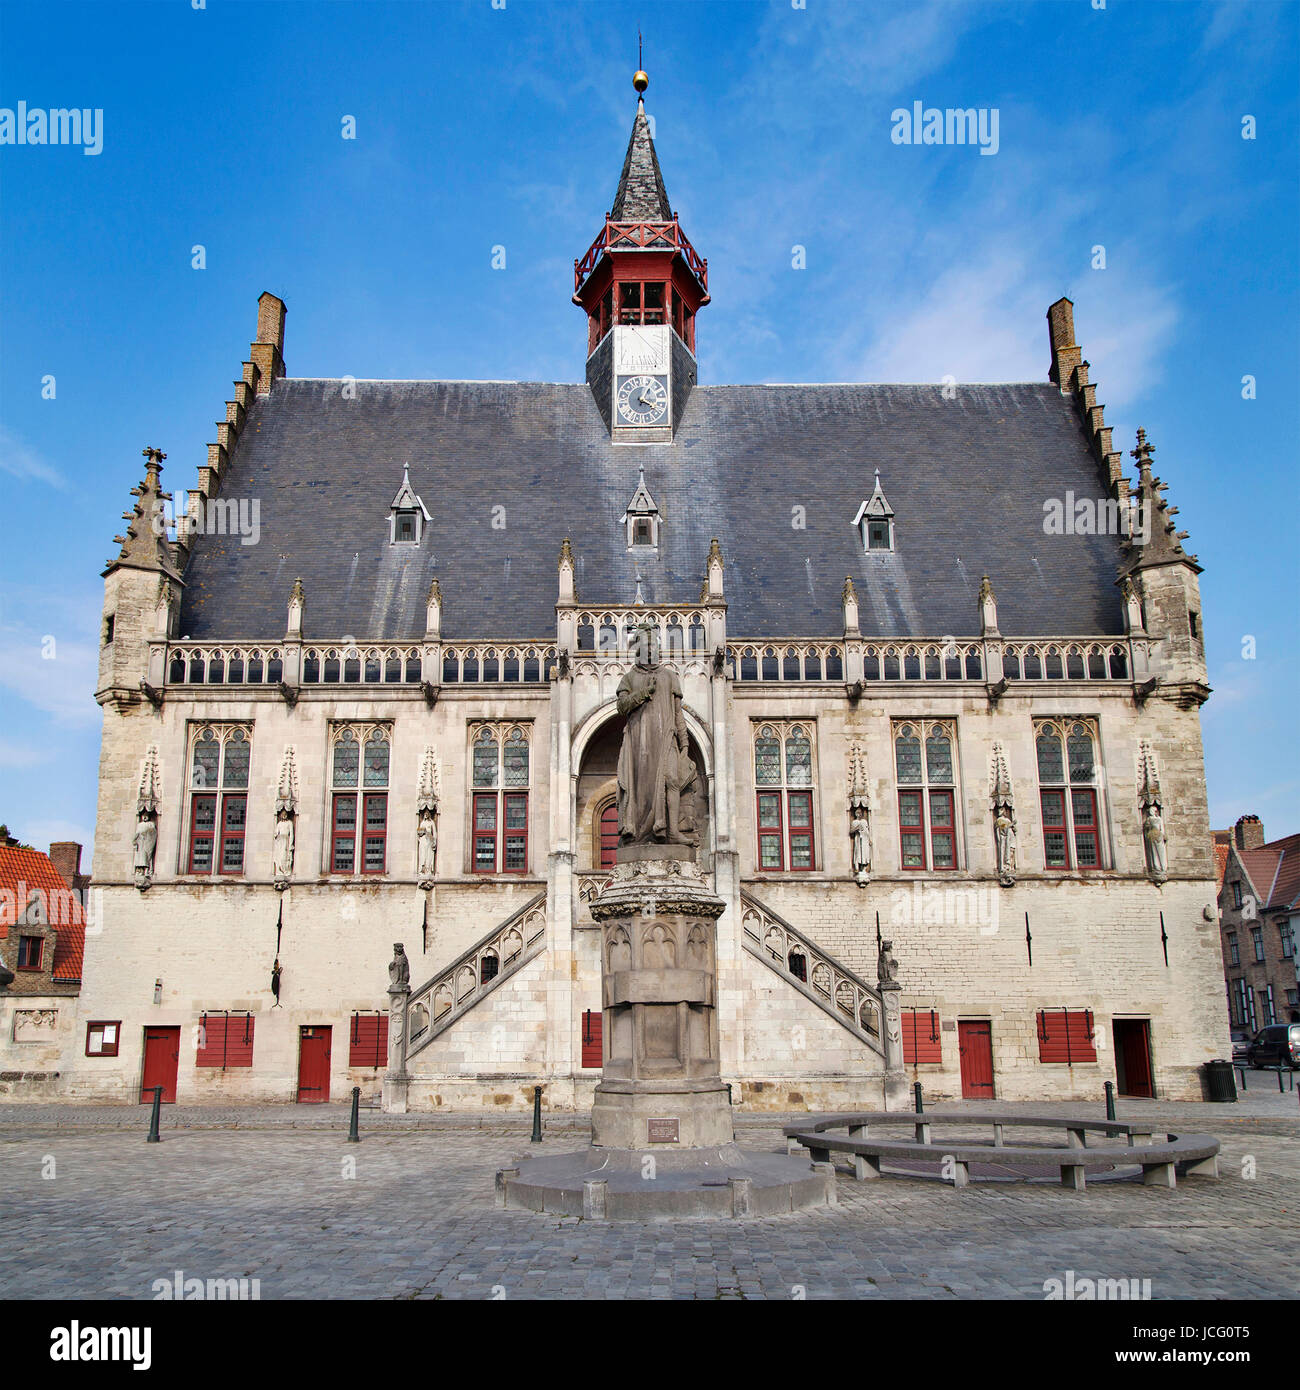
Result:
<point x="1274" y="869"/>
<point x="24" y="871"/>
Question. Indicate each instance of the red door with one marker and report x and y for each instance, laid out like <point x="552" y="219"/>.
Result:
<point x="162" y="1055"/>
<point x="1133" y="1057"/>
<point x="314" y="1063"/>
<point x="592" y="1027"/>
<point x="975" y="1045"/>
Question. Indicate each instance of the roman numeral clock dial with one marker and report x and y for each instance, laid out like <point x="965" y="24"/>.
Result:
<point x="642" y="400"/>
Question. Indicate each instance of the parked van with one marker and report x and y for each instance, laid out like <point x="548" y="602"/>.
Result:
<point x="1276" y="1045"/>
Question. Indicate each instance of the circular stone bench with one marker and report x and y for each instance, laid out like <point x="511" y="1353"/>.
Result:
<point x="1198" y="1153"/>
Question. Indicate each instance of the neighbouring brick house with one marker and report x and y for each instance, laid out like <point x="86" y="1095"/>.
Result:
<point x="390" y="716"/>
<point x="42" y="941"/>
<point x="1259" y="917"/>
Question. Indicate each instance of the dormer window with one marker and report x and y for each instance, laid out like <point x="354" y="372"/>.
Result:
<point x="406" y="514"/>
<point x="875" y="521"/>
<point x="642" y="519"/>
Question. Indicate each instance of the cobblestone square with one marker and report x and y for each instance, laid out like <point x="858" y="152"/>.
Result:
<point x="263" y="1193"/>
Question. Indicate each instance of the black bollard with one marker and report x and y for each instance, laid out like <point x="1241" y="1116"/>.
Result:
<point x="916" y="1091"/>
<point x="1110" y="1100"/>
<point x="1241" y="1072"/>
<point x="153" y="1137"/>
<point x="537" y="1115"/>
<point x="353" y="1136"/>
<point x="1280" y="1087"/>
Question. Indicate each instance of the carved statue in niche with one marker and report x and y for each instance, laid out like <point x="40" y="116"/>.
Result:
<point x="399" y="969"/>
<point x="1153" y="834"/>
<point x="656" y="776"/>
<point x="1004" y="834"/>
<point x="427" y="848"/>
<point x="146" y="843"/>
<point x="282" y="849"/>
<point x="860" y="835"/>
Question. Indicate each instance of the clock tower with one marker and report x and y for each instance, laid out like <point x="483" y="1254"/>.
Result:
<point x="641" y="284"/>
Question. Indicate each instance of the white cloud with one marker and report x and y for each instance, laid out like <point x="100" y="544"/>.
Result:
<point x="63" y="686"/>
<point x="20" y="461"/>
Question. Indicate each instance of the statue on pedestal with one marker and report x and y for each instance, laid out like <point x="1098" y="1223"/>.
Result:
<point x="656" y="776"/>
<point x="860" y="834"/>
<point x="282" y="849"/>
<point x="146" y="842"/>
<point x="399" y="969"/>
<point x="427" y="849"/>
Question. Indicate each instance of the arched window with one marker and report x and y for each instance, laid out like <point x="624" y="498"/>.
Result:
<point x="1067" y="790"/>
<point x="784" y="774"/>
<point x="927" y="794"/>
<point x="608" y="836"/>
<point x="359" y="813"/>
<point x="218" y="797"/>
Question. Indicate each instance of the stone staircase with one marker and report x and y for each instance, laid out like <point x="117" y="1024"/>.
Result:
<point x="475" y="973"/>
<point x="815" y="973"/>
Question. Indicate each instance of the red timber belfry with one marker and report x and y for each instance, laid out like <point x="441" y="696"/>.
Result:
<point x="641" y="284"/>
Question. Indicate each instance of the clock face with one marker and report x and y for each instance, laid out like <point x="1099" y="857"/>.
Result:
<point x="642" y="400"/>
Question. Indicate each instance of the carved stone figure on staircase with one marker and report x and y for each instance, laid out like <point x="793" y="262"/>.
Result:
<point x="656" y="775"/>
<point x="886" y="965"/>
<point x="399" y="969"/>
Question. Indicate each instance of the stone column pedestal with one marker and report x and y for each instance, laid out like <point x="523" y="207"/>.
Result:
<point x="661" y="1086"/>
<point x="397" y="1079"/>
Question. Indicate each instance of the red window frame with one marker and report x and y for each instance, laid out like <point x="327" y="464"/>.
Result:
<point x="225" y="1040"/>
<point x="1087" y="836"/>
<point x="800" y="831"/>
<point x="911" y="825"/>
<point x="1066" y="1035"/>
<point x="368" y="1040"/>
<point x="608" y="836"/>
<point x="205" y="834"/>
<point x="24" y="948"/>
<point x="922" y="1037"/>
<point x="374" y="832"/>
<point x="233" y="835"/>
<point x="343" y="836"/>
<point x="106" y="1049"/>
<point x="943" y="834"/>
<point x="1054" y="823"/>
<point x="771" y="831"/>
<point x="507" y="835"/>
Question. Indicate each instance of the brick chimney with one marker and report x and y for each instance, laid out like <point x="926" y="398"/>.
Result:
<point x="1066" y="353"/>
<point x="1248" y="833"/>
<point x="267" y="351"/>
<point x="65" y="855"/>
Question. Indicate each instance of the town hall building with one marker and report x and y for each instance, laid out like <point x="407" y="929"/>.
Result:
<point x="943" y="722"/>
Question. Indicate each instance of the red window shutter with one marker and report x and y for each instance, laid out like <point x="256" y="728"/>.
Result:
<point x="212" y="1041"/>
<point x="368" y="1040"/>
<point x="922" y="1040"/>
<point x="1065" y="1035"/>
<point x="239" y="1040"/>
<point x="592" y="1029"/>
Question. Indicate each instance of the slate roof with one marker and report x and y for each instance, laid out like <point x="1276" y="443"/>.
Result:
<point x="967" y="479"/>
<point x="24" y="871"/>
<point x="641" y="195"/>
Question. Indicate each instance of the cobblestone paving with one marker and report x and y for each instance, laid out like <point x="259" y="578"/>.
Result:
<point x="418" y="1221"/>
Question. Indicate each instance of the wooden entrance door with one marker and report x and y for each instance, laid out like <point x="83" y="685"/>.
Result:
<point x="314" y="1063"/>
<point x="162" y="1054"/>
<point x="1133" y="1057"/>
<point x="975" y="1045"/>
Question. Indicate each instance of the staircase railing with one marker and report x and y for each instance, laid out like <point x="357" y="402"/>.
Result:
<point x="475" y="973"/>
<point x="815" y="973"/>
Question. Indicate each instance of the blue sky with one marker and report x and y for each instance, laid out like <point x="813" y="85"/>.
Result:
<point x="479" y="126"/>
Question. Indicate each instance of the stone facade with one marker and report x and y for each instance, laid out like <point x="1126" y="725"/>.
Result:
<point x="505" y="964"/>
